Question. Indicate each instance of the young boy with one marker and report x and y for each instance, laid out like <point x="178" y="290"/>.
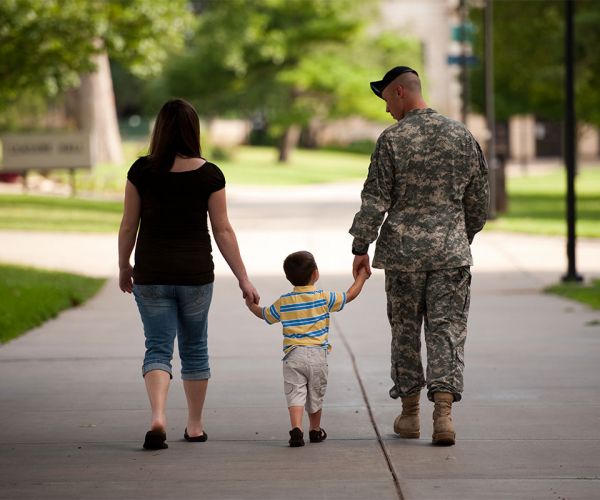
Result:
<point x="304" y="314"/>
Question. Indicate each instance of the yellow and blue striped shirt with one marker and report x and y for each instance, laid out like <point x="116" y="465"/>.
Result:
<point x="304" y="315"/>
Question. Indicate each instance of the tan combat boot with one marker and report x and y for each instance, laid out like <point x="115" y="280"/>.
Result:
<point x="443" y="429"/>
<point x="406" y="424"/>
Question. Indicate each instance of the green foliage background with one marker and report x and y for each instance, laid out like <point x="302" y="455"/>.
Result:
<point x="287" y="60"/>
<point x="45" y="45"/>
<point x="529" y="59"/>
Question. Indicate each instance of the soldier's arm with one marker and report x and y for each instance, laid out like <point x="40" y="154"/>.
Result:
<point x="476" y="198"/>
<point x="376" y="197"/>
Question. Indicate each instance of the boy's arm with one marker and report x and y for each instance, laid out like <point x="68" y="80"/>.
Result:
<point x="356" y="287"/>
<point x="254" y="308"/>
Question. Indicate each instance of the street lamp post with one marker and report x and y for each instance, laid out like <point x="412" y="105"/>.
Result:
<point x="464" y="69"/>
<point x="570" y="143"/>
<point x="490" y="107"/>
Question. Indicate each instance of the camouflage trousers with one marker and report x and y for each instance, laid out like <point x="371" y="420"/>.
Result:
<point x="439" y="299"/>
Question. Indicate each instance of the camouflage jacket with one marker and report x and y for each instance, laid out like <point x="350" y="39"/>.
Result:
<point x="429" y="176"/>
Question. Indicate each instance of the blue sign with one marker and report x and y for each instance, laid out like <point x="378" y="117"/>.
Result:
<point x="461" y="59"/>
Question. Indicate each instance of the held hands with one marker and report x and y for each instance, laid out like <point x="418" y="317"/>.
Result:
<point x="361" y="266"/>
<point x="252" y="299"/>
<point x="249" y="293"/>
<point x="363" y="274"/>
<point x="249" y="302"/>
<point x="126" y="279"/>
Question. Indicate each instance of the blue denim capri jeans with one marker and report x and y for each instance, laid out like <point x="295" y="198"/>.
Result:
<point x="170" y="311"/>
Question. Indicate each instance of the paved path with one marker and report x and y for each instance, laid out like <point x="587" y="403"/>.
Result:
<point x="74" y="409"/>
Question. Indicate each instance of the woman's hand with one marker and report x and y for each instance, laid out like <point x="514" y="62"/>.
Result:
<point x="127" y="235"/>
<point x="249" y="293"/>
<point x="126" y="279"/>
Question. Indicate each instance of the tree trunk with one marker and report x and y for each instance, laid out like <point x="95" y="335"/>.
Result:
<point x="92" y="105"/>
<point x="501" y="195"/>
<point x="310" y="133"/>
<point x="288" y="142"/>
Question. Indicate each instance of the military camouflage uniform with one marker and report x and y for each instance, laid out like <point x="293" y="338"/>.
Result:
<point x="429" y="176"/>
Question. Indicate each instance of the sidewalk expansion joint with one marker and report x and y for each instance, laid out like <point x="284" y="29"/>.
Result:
<point x="363" y="391"/>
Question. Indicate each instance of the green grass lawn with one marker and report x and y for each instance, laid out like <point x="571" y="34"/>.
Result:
<point x="245" y="165"/>
<point x="28" y="297"/>
<point x="248" y="166"/>
<point x="537" y="204"/>
<point x="259" y="166"/>
<point x="586" y="293"/>
<point x="48" y="213"/>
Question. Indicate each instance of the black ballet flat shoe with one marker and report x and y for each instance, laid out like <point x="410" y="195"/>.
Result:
<point x="296" y="438"/>
<point x="155" y="440"/>
<point x="196" y="439"/>
<point x="317" y="436"/>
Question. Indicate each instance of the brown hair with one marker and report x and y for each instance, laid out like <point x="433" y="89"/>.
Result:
<point x="299" y="267"/>
<point x="176" y="132"/>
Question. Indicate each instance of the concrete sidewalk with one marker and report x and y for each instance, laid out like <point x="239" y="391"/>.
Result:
<point x="74" y="409"/>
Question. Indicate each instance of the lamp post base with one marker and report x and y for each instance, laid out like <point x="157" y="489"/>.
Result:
<point x="572" y="277"/>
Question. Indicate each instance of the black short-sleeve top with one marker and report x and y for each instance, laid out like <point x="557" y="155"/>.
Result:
<point x="173" y="244"/>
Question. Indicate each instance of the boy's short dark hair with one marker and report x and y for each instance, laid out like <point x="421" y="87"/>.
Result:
<point x="298" y="267"/>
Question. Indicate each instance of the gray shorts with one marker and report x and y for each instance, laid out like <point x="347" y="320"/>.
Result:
<point x="305" y="377"/>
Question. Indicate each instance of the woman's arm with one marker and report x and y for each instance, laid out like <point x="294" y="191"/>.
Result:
<point x="127" y="235"/>
<point x="227" y="242"/>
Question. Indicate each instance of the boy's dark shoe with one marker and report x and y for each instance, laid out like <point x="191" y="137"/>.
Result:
<point x="317" y="436"/>
<point x="296" y="438"/>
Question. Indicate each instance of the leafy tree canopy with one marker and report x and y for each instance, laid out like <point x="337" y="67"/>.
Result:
<point x="529" y="59"/>
<point x="287" y="59"/>
<point x="46" y="44"/>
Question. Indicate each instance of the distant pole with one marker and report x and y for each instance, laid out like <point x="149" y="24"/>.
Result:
<point x="464" y="70"/>
<point x="570" y="143"/>
<point x="73" y="183"/>
<point x="490" y="104"/>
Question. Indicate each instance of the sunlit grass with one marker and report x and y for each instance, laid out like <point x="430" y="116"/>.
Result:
<point x="248" y="166"/>
<point x="588" y="294"/>
<point x="51" y="213"/>
<point x="244" y="165"/>
<point x="536" y="204"/>
<point x="259" y="166"/>
<point x="31" y="296"/>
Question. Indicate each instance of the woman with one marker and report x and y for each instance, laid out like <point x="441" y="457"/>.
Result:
<point x="168" y="195"/>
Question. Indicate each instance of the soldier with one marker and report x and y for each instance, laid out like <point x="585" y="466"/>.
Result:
<point x="429" y="176"/>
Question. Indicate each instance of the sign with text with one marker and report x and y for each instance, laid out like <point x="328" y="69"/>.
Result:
<point x="46" y="151"/>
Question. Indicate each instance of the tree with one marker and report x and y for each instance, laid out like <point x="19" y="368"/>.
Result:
<point x="49" y="46"/>
<point x="529" y="59"/>
<point x="287" y="60"/>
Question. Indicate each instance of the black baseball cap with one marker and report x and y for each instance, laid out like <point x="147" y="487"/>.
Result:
<point x="378" y="87"/>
